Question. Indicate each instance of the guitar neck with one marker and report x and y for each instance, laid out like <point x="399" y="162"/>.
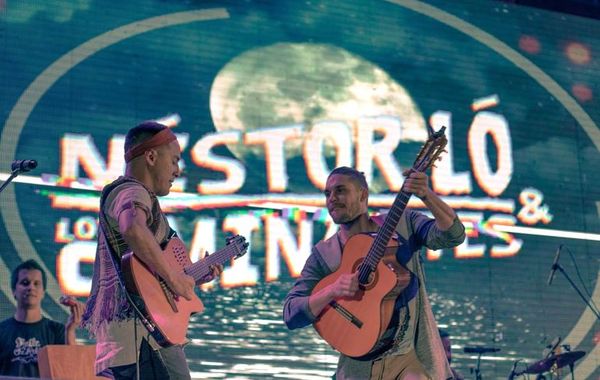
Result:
<point x="201" y="268"/>
<point x="383" y="236"/>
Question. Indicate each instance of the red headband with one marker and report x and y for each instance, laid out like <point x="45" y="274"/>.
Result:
<point x="163" y="137"/>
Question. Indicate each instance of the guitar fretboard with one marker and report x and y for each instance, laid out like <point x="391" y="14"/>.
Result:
<point x="201" y="268"/>
<point x="383" y="236"/>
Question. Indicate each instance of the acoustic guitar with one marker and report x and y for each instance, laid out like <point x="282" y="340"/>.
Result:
<point x="354" y="326"/>
<point x="166" y="316"/>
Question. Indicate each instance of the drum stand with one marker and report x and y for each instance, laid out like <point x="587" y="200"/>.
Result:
<point x="477" y="371"/>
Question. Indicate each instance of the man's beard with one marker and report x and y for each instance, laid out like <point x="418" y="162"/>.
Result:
<point x="348" y="221"/>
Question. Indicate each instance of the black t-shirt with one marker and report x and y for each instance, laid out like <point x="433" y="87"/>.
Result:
<point x="20" y="342"/>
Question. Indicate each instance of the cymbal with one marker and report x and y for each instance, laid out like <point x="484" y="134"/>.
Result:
<point x="540" y="366"/>
<point x="567" y="358"/>
<point x="561" y="360"/>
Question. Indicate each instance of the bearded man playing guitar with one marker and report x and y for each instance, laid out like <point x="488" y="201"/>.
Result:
<point x="409" y="346"/>
<point x="132" y="222"/>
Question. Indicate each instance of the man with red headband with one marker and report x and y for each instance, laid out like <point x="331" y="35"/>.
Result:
<point x="131" y="220"/>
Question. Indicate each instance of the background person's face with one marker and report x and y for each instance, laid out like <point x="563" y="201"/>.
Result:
<point x="29" y="290"/>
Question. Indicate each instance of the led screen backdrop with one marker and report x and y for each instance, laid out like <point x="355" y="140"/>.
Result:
<point x="266" y="97"/>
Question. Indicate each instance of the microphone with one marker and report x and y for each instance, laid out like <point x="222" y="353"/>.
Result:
<point x="554" y="265"/>
<point x="480" y="350"/>
<point x="23" y="165"/>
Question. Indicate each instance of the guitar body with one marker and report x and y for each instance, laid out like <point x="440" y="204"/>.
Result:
<point x="353" y="326"/>
<point x="169" y="316"/>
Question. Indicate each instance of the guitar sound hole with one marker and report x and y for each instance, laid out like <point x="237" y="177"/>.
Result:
<point x="373" y="277"/>
<point x="179" y="253"/>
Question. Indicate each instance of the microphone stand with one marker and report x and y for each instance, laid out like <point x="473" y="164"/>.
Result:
<point x="477" y="371"/>
<point x="12" y="176"/>
<point x="571" y="367"/>
<point x="567" y="348"/>
<point x="513" y="371"/>
<point x="560" y="268"/>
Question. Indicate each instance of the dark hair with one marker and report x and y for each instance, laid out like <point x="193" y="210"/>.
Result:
<point x="355" y="175"/>
<point x="444" y="333"/>
<point x="27" y="265"/>
<point x="142" y="132"/>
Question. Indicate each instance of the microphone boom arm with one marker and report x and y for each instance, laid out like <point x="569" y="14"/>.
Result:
<point x="9" y="180"/>
<point x="585" y="300"/>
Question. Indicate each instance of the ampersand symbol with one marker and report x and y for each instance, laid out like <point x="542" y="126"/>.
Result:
<point x="533" y="211"/>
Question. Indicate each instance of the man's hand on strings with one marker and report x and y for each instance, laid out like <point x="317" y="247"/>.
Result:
<point x="345" y="286"/>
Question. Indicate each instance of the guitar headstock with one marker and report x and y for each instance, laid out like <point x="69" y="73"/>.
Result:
<point x="431" y="150"/>
<point x="238" y="243"/>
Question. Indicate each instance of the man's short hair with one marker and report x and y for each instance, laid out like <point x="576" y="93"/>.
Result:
<point x="444" y="333"/>
<point x="27" y="265"/>
<point x="355" y="175"/>
<point x="142" y="132"/>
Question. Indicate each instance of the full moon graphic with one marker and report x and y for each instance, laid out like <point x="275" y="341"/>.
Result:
<point x="302" y="84"/>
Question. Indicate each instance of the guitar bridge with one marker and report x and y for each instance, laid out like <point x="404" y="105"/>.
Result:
<point x="346" y="314"/>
